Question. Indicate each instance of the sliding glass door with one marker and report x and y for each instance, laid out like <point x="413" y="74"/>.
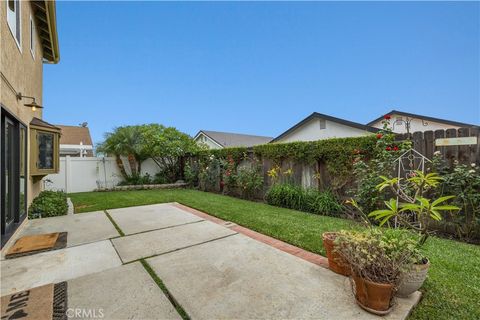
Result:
<point x="9" y="183"/>
<point x="14" y="174"/>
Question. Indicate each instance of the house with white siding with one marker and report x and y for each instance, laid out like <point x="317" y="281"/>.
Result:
<point x="404" y="122"/>
<point x="318" y="126"/>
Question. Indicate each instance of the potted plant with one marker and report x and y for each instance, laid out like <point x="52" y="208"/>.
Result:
<point x="335" y="261"/>
<point x="413" y="209"/>
<point x="376" y="258"/>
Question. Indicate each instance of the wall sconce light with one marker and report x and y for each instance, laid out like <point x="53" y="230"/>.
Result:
<point x="32" y="104"/>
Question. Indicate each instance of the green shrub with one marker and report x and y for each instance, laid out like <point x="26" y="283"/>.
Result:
<point x="136" y="180"/>
<point x="190" y="172"/>
<point x="287" y="196"/>
<point x="324" y="203"/>
<point x="48" y="204"/>
<point x="309" y="200"/>
<point x="161" y="178"/>
<point x="250" y="181"/>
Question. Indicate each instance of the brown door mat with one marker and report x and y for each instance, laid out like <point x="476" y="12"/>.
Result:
<point x="47" y="302"/>
<point x="36" y="303"/>
<point x="37" y="243"/>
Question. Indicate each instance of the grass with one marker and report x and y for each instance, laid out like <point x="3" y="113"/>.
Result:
<point x="162" y="286"/>
<point x="120" y="232"/>
<point x="451" y="291"/>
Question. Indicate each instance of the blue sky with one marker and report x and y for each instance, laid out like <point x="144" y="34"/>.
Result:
<point x="259" y="68"/>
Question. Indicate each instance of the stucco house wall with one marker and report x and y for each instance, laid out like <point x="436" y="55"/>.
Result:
<point x="24" y="72"/>
<point x="311" y="131"/>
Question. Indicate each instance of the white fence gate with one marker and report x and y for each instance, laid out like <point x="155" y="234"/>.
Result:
<point x="84" y="174"/>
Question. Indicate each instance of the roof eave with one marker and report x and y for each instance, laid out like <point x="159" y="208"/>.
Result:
<point x="46" y="22"/>
<point x="52" y="27"/>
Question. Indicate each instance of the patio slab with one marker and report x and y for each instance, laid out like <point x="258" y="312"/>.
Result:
<point x="151" y="217"/>
<point x="82" y="228"/>
<point x="238" y="277"/>
<point x="125" y="292"/>
<point x="55" y="266"/>
<point x="147" y="244"/>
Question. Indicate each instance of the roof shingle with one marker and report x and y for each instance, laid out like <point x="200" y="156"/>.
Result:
<point x="228" y="139"/>
<point x="75" y="135"/>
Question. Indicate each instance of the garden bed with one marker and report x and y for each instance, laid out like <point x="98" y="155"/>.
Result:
<point x="144" y="187"/>
<point x="450" y="292"/>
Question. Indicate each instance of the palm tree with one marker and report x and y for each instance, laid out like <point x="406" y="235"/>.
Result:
<point x="125" y="141"/>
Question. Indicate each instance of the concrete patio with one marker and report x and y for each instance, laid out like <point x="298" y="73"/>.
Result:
<point x="209" y="268"/>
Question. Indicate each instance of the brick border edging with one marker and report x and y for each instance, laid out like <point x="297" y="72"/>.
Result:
<point x="278" y="244"/>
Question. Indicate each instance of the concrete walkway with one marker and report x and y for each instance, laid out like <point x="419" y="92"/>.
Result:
<point x="211" y="268"/>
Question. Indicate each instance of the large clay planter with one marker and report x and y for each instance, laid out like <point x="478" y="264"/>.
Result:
<point x="360" y="291"/>
<point x="335" y="262"/>
<point x="412" y="281"/>
<point x="372" y="296"/>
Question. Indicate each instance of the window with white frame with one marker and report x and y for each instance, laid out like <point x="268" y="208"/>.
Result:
<point x="33" y="36"/>
<point x="13" y="20"/>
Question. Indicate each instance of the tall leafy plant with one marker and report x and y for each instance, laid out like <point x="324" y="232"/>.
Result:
<point x="416" y="207"/>
<point x="463" y="181"/>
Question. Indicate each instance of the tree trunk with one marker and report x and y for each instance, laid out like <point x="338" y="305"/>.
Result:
<point x="133" y="164"/>
<point x="120" y="166"/>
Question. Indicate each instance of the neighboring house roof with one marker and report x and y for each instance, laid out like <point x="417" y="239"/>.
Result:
<point x="75" y="135"/>
<point x="40" y="123"/>
<point x="228" y="139"/>
<point x="413" y="115"/>
<point x="329" y="118"/>
<point x="46" y="22"/>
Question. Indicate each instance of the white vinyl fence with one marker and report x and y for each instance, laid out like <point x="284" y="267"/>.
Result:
<point x="90" y="173"/>
<point x="84" y="174"/>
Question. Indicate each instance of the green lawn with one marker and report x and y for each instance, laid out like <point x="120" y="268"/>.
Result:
<point x="452" y="290"/>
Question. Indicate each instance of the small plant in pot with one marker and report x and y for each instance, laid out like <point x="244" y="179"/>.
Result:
<point x="376" y="258"/>
<point x="413" y="210"/>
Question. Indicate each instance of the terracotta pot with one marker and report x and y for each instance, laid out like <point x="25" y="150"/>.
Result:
<point x="360" y="292"/>
<point x="335" y="262"/>
<point x="412" y="280"/>
<point x="372" y="296"/>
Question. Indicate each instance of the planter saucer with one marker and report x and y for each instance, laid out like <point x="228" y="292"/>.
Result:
<point x="377" y="312"/>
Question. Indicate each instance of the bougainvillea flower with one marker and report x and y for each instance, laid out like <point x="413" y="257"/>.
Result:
<point x="388" y="148"/>
<point x="379" y="136"/>
<point x="395" y="148"/>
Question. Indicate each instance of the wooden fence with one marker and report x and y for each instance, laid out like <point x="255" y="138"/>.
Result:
<point x="317" y="175"/>
<point x="427" y="143"/>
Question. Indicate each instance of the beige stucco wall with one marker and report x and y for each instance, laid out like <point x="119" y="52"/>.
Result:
<point x="24" y="73"/>
<point x="416" y="124"/>
<point x="311" y="131"/>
